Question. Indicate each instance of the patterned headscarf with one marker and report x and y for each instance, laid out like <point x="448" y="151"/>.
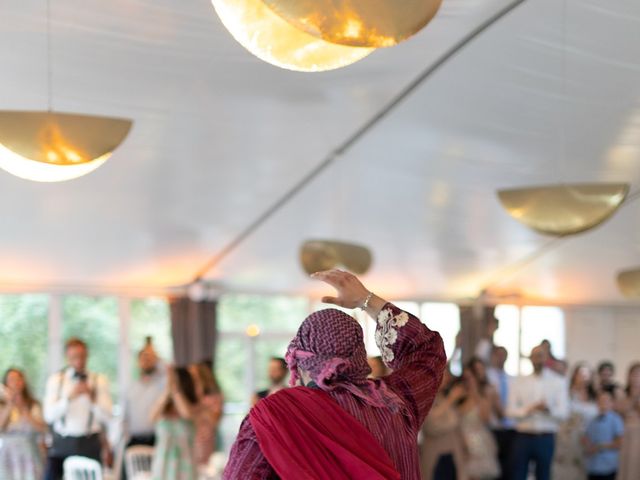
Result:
<point x="330" y="346"/>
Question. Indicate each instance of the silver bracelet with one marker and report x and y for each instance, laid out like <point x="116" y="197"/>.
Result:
<point x="365" y="305"/>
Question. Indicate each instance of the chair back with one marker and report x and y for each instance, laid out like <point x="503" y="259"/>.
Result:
<point x="137" y="462"/>
<point x="82" y="468"/>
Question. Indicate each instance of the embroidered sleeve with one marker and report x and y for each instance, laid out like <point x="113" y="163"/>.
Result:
<point x="416" y="356"/>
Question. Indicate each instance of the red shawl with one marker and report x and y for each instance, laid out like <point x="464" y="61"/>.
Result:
<point x="303" y="433"/>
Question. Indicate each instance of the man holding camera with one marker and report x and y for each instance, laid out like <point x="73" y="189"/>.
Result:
<point x="77" y="404"/>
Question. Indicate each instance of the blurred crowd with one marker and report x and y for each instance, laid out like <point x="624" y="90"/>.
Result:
<point x="175" y="410"/>
<point x="556" y="423"/>
<point x="486" y="424"/>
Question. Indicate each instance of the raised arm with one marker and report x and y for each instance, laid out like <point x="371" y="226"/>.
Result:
<point x="416" y="356"/>
<point x="415" y="353"/>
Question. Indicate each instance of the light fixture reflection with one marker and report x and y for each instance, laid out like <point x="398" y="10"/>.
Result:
<point x="54" y="147"/>
<point x="564" y="209"/>
<point x="272" y="39"/>
<point x="320" y="255"/>
<point x="358" y="23"/>
<point x="629" y="283"/>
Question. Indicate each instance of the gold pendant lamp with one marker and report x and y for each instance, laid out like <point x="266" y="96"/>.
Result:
<point x="629" y="283"/>
<point x="320" y="255"/>
<point x="51" y="146"/>
<point x="564" y="209"/>
<point x="54" y="147"/>
<point x="320" y="35"/>
<point x="561" y="210"/>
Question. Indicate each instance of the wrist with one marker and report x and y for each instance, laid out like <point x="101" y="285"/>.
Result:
<point x="364" y="304"/>
<point x="375" y="306"/>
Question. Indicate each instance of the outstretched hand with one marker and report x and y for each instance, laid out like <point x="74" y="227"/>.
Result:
<point x="351" y="293"/>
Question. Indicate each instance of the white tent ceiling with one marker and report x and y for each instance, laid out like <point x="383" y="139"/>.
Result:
<point x="220" y="136"/>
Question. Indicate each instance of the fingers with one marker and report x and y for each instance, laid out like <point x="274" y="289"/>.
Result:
<point x="335" y="278"/>
<point x="332" y="301"/>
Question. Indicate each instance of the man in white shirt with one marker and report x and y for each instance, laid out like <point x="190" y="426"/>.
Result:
<point x="77" y="403"/>
<point x="537" y="403"/>
<point x="142" y="396"/>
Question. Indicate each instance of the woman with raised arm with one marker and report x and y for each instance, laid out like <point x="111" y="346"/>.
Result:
<point x="174" y="456"/>
<point x="338" y="424"/>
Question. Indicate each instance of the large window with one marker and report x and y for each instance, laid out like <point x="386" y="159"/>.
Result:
<point x="24" y="333"/>
<point x="443" y="318"/>
<point x="150" y="317"/>
<point x="268" y="313"/>
<point x="522" y="328"/>
<point x="252" y="329"/>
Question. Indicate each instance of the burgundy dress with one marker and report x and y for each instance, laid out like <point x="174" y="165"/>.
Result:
<point x="417" y="357"/>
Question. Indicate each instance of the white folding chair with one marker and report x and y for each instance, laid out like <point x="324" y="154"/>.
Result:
<point x="137" y="462"/>
<point x="82" y="468"/>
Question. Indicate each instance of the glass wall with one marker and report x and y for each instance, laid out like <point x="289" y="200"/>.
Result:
<point x="522" y="328"/>
<point x="150" y="317"/>
<point x="24" y="331"/>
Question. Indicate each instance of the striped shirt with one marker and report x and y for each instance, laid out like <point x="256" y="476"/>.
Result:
<point x="417" y="357"/>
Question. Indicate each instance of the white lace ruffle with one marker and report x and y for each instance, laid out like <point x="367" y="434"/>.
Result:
<point x="387" y="332"/>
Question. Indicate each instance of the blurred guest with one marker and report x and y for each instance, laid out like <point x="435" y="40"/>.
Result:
<point x="606" y="382"/>
<point x="77" y="403"/>
<point x="538" y="403"/>
<point x="174" y="456"/>
<point x="208" y="412"/>
<point x="553" y="363"/>
<point x="475" y="412"/>
<point x="443" y="455"/>
<point x="569" y="461"/>
<point x="277" y="372"/>
<point x="142" y="396"/>
<point x="378" y="368"/>
<point x="485" y="345"/>
<point x="603" y="439"/>
<point x="503" y="428"/>
<point x="21" y="425"/>
<point x="630" y="456"/>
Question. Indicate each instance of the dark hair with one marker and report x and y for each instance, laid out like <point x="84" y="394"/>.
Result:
<point x="75" y="342"/>
<point x="207" y="378"/>
<point x="604" y="365"/>
<point x="26" y="393"/>
<point x="482" y="382"/>
<point x="208" y="362"/>
<point x="591" y="391"/>
<point x="633" y="367"/>
<point x="186" y="384"/>
<point x="281" y="361"/>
